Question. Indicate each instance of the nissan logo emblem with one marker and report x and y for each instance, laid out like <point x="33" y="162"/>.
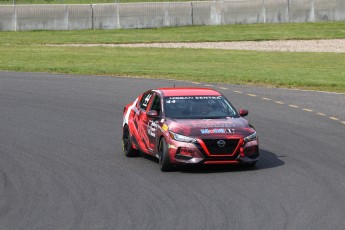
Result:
<point x="221" y="143"/>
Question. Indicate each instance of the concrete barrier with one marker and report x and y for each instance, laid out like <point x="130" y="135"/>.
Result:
<point x="79" y="17"/>
<point x="322" y="11"/>
<point x="166" y="14"/>
<point x="141" y="15"/>
<point x="276" y="11"/>
<point x="301" y="11"/>
<point x="243" y="12"/>
<point x="178" y="14"/>
<point x="208" y="13"/>
<point x="106" y="16"/>
<point x="46" y="17"/>
<point x="41" y="17"/>
<point x="154" y="15"/>
<point x="339" y="10"/>
<point x="7" y="18"/>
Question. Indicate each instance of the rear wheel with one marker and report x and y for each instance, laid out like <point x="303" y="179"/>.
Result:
<point x="127" y="144"/>
<point x="164" y="161"/>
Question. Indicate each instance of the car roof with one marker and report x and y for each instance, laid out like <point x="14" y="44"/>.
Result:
<point x="188" y="91"/>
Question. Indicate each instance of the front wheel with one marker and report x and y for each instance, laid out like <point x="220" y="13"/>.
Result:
<point x="164" y="161"/>
<point x="127" y="144"/>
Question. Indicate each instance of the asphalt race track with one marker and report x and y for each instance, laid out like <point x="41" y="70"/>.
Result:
<point x="62" y="167"/>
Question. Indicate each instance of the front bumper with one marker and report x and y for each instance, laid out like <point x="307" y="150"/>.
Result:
<point x="199" y="153"/>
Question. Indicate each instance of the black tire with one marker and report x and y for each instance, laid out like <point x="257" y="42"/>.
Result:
<point x="164" y="160"/>
<point x="127" y="144"/>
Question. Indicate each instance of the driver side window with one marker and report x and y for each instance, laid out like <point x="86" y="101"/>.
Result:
<point x="156" y="104"/>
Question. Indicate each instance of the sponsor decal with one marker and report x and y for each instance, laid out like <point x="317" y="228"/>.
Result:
<point x="180" y="98"/>
<point x="214" y="125"/>
<point x="216" y="131"/>
<point x="152" y="128"/>
<point x="208" y="98"/>
<point x="165" y="127"/>
<point x="171" y="99"/>
<point x="172" y="146"/>
<point x="186" y="152"/>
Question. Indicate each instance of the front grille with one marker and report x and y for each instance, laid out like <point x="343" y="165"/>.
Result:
<point x="214" y="149"/>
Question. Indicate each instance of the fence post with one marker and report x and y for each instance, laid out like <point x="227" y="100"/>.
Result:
<point x="288" y="10"/>
<point x="312" y="11"/>
<point x="264" y="10"/>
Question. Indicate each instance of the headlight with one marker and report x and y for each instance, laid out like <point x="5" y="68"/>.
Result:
<point x="179" y="137"/>
<point x="251" y="137"/>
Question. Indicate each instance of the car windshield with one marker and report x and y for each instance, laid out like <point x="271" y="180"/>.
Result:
<point x="198" y="107"/>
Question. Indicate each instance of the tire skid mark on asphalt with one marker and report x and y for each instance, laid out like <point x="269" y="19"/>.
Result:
<point x="290" y="105"/>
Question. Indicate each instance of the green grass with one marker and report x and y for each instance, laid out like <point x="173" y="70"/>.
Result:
<point x="254" y="32"/>
<point x="23" y="51"/>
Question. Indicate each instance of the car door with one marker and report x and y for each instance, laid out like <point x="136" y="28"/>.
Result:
<point x="142" y="121"/>
<point x="153" y="123"/>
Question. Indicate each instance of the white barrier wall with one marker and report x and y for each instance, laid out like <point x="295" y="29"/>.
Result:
<point x="106" y="16"/>
<point x="167" y="14"/>
<point x="178" y="14"/>
<point x="154" y="15"/>
<point x="243" y="12"/>
<point x="276" y="11"/>
<point x="41" y="17"/>
<point x="79" y="17"/>
<point x="339" y="11"/>
<point x="7" y="18"/>
<point x="208" y="13"/>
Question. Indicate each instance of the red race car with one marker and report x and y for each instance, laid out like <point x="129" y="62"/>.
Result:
<point x="188" y="126"/>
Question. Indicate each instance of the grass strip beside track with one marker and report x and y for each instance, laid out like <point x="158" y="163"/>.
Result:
<point x="24" y="51"/>
<point x="321" y="71"/>
<point x="247" y="32"/>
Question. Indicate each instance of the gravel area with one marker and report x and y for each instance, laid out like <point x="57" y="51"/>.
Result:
<point x="331" y="45"/>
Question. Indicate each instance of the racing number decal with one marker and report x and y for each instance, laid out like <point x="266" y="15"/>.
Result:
<point x="147" y="99"/>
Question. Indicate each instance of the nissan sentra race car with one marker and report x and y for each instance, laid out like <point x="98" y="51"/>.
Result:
<point x="188" y="126"/>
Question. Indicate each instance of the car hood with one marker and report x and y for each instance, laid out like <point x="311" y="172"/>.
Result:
<point x="211" y="128"/>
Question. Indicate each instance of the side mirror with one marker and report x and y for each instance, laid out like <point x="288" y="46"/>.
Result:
<point x="152" y="114"/>
<point x="243" y="112"/>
